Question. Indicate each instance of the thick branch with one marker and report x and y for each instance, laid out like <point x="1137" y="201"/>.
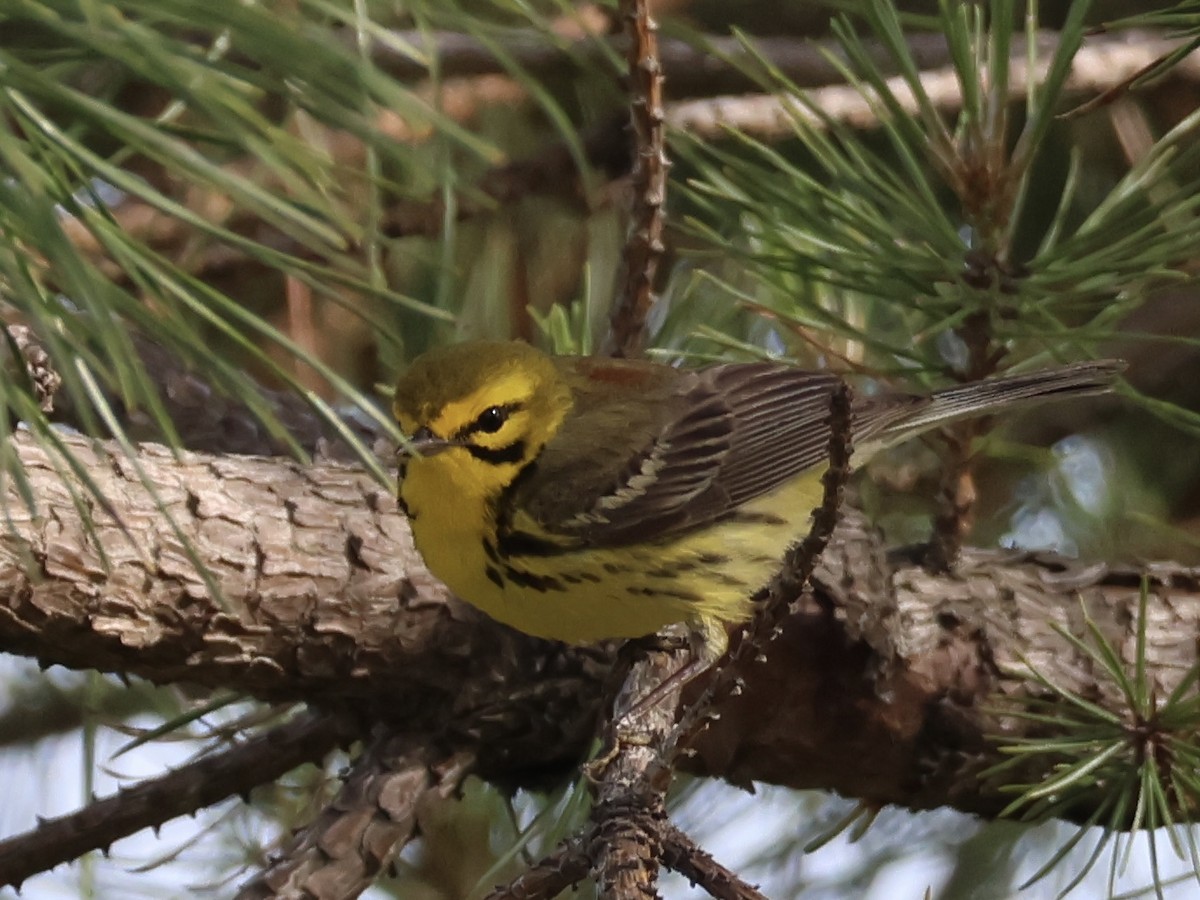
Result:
<point x="882" y="685"/>
<point x="1099" y="65"/>
<point x="712" y="64"/>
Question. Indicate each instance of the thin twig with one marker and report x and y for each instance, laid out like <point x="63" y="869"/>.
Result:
<point x="956" y="488"/>
<point x="630" y="824"/>
<point x="793" y="576"/>
<point x="955" y="497"/>
<point x="200" y="784"/>
<point x="682" y="855"/>
<point x="644" y="246"/>
<point x="801" y="558"/>
<point x="631" y="781"/>
<point x="564" y="867"/>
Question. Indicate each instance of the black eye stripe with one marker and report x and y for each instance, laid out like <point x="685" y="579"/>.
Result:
<point x="490" y="420"/>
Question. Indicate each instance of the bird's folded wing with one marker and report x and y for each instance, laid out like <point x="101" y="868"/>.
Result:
<point x="721" y="437"/>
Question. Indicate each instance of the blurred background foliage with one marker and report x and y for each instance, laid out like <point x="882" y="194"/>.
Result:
<point x="230" y="224"/>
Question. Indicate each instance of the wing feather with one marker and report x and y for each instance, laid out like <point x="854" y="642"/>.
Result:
<point x="668" y="450"/>
<point x="713" y="440"/>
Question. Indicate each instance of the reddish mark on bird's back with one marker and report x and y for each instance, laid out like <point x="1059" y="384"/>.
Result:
<point x="615" y="373"/>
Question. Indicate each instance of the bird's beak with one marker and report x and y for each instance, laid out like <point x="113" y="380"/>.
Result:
<point x="424" y="443"/>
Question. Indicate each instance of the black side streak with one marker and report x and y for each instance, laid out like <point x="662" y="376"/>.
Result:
<point x="511" y="543"/>
<point x="535" y="582"/>
<point x="580" y="577"/>
<point x="757" y="518"/>
<point x="494" y="577"/>
<point x="728" y="580"/>
<point x="522" y="543"/>
<point x="639" y="591"/>
<point x="672" y="570"/>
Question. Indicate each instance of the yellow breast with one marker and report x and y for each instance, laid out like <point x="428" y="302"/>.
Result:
<point x="597" y="593"/>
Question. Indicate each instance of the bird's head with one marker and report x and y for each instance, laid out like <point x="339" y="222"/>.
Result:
<point x="478" y="412"/>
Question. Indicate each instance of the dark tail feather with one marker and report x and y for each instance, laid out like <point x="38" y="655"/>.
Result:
<point x="1083" y="379"/>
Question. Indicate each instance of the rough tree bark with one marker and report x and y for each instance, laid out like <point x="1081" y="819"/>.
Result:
<point x="887" y="684"/>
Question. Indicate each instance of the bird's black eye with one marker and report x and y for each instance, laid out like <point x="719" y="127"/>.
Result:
<point x="491" y="420"/>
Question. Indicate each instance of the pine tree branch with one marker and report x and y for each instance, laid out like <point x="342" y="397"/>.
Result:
<point x="326" y="602"/>
<point x="681" y="854"/>
<point x="794" y="576"/>
<point x="711" y="64"/>
<point x="1100" y="64"/>
<point x="631" y="781"/>
<point x="546" y="879"/>
<point x="195" y="786"/>
<point x="644" y="246"/>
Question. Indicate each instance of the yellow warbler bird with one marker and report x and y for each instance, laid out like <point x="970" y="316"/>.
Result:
<point x="582" y="498"/>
